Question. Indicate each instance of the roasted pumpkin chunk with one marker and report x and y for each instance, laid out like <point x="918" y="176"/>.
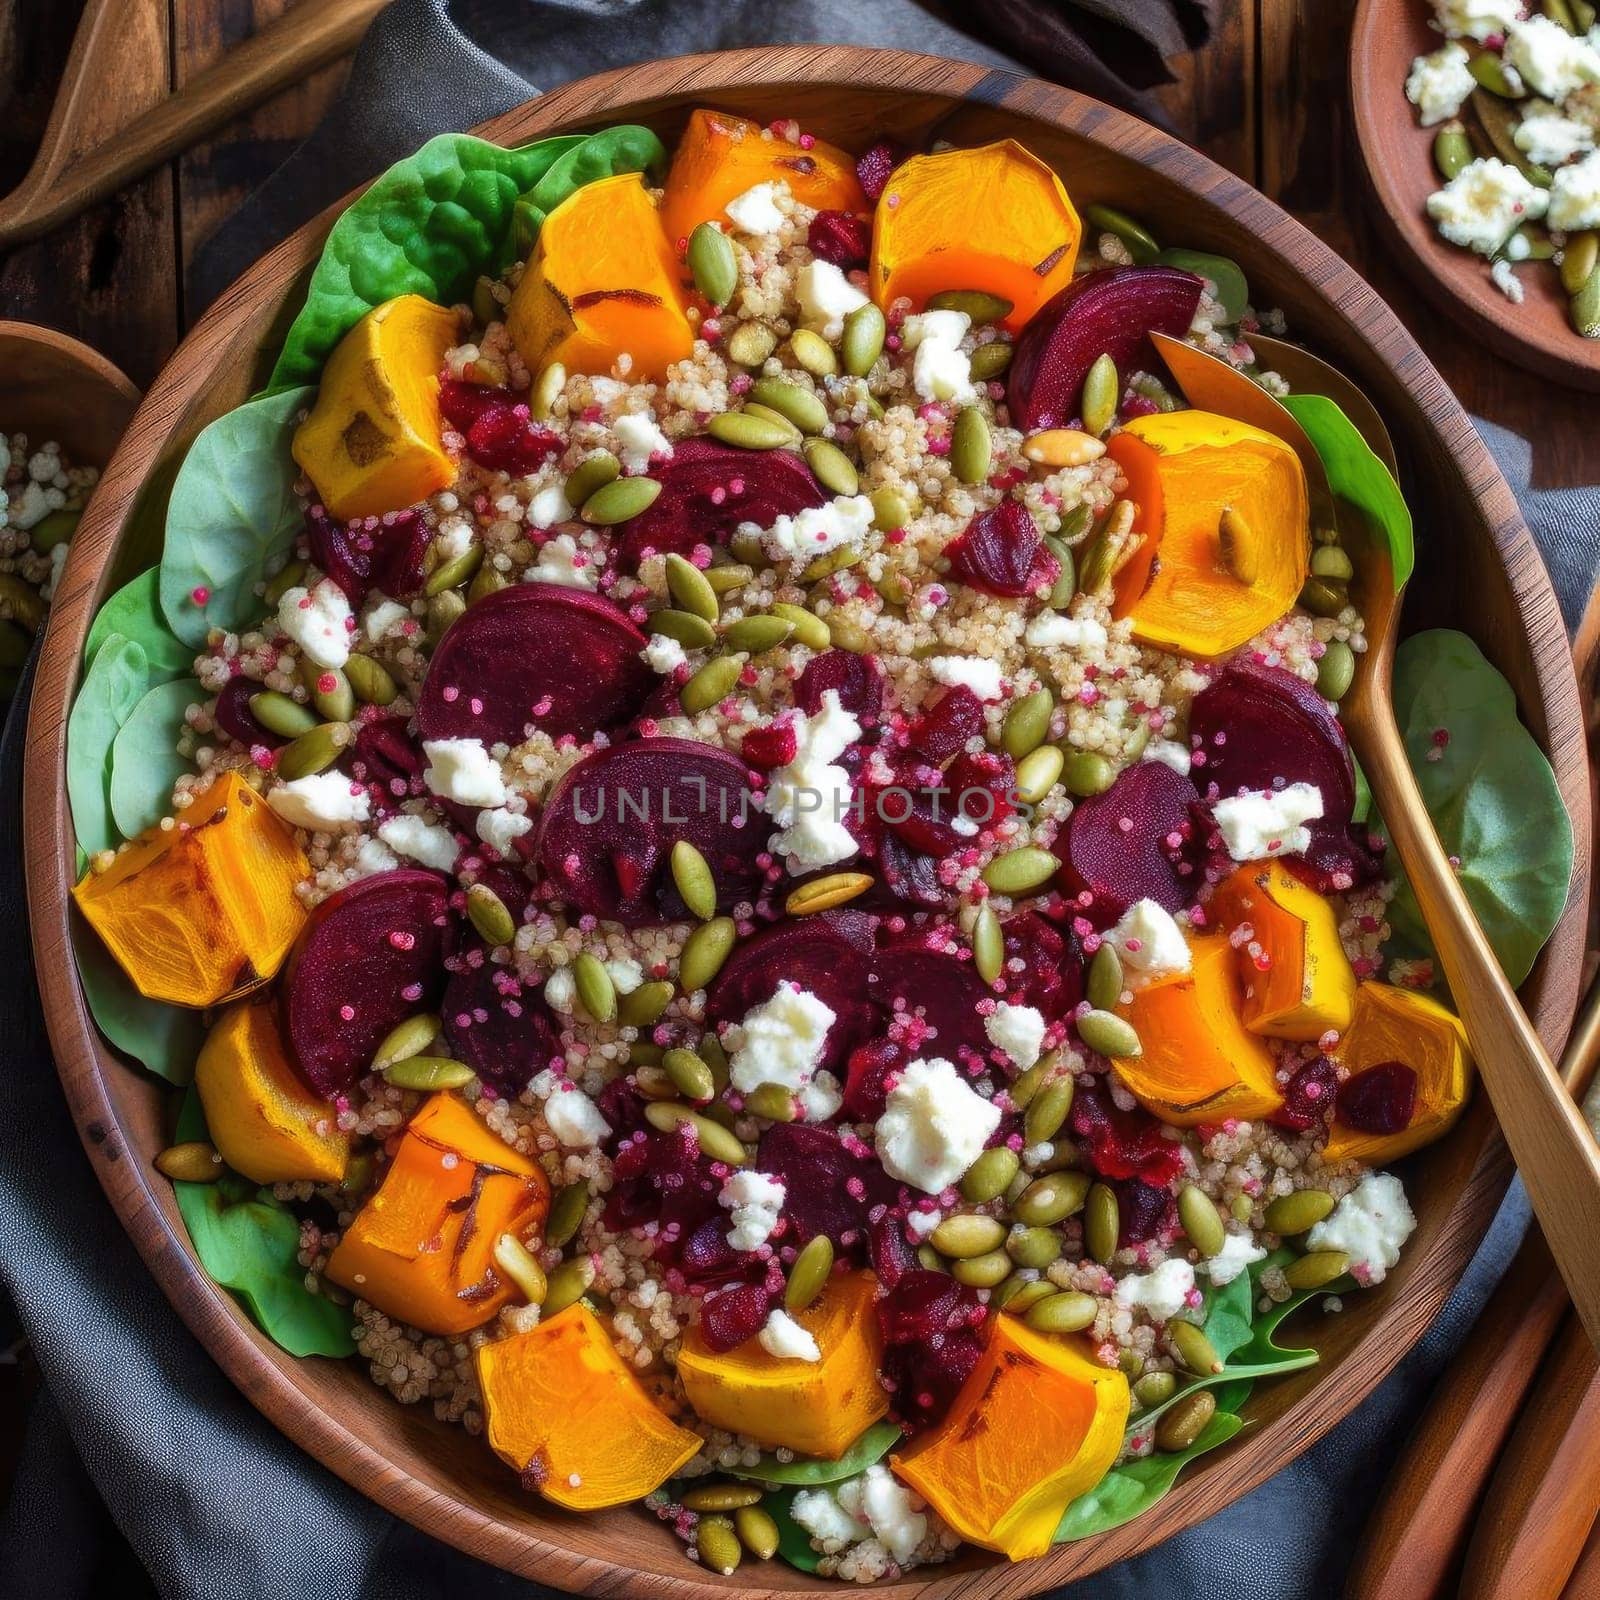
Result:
<point x="1409" y="1076"/>
<point x="817" y="1408"/>
<point x="1225" y="522"/>
<point x="422" y="1248"/>
<point x="1298" y="982"/>
<point x="263" y="1119"/>
<point x="569" y="1415"/>
<point x="1037" y="1422"/>
<point x="1199" y="1062"/>
<point x="204" y="909"/>
<point x="374" y="441"/>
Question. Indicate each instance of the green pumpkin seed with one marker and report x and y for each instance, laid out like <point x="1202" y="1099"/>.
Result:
<point x="792" y="436"/>
<point x="813" y="353"/>
<point x="644" y="1006"/>
<point x="771" y="1101"/>
<point x="692" y="632"/>
<point x="830" y="562"/>
<point x="1020" y="1291"/>
<point x="1579" y="257"/>
<point x="453" y="573"/>
<point x="971" y="446"/>
<point x="651" y="1080"/>
<point x="1021" y="871"/>
<point x="373" y="683"/>
<point x="488" y="913"/>
<point x="981" y="306"/>
<point x="691" y="874"/>
<point x="1038" y="773"/>
<point x="546" y="391"/>
<point x="485" y="308"/>
<point x="285" y="580"/>
<point x="715" y="1141"/>
<point x="687" y="585"/>
<point x="406" y="1039"/>
<point x="1048" y="1110"/>
<point x="597" y="994"/>
<point x="1489" y="72"/>
<point x="1292" y="1214"/>
<point x="982" y="1272"/>
<point x="1196" y="1352"/>
<point x="800" y="406"/>
<point x="1027" y="1084"/>
<point x="722" y="1496"/>
<point x="592" y="473"/>
<point x="747" y="431"/>
<point x="989" y="360"/>
<point x="1140" y="243"/>
<point x="330" y="692"/>
<point x="1102" y="389"/>
<point x="1033" y="1247"/>
<point x="1316" y="1269"/>
<point x="518" y="1263"/>
<point x="568" y="1284"/>
<point x="619" y="501"/>
<point x="718" y="1545"/>
<point x="1224" y="275"/>
<point x="193" y="1162"/>
<point x="1109" y="1035"/>
<point x="280" y="714"/>
<point x="1201" y="1220"/>
<point x="1102" y="1223"/>
<point x="427" y="1073"/>
<point x="704" y="952"/>
<point x="690" y="1074"/>
<point x="1336" y="671"/>
<point x="312" y="752"/>
<point x="489" y="580"/>
<point x="714" y="682"/>
<point x="1183" y="1422"/>
<point x="1104" y="985"/>
<point x="758" y="1533"/>
<point x="990" y="1175"/>
<point x="732" y="575"/>
<point x="1087" y="772"/>
<point x="988" y="945"/>
<point x="1070" y="1312"/>
<point x="566" y="1215"/>
<point x="1051" y="1199"/>
<point x="715" y="1057"/>
<point x="967" y="1234"/>
<point x="1329" y="561"/>
<point x="891" y="510"/>
<point x="831" y="467"/>
<point x="751" y="343"/>
<point x="809" y="1275"/>
<point x="1452" y="150"/>
<point x="1027" y="723"/>
<point x="844" y="634"/>
<point x="358" y="1173"/>
<point x="809" y="630"/>
<point x="1321" y="598"/>
<point x="1066" y="584"/>
<point x="862" y="342"/>
<point x="712" y="264"/>
<point x="1584" y="307"/>
<point x="1155" y="1389"/>
<point x="757" y="634"/>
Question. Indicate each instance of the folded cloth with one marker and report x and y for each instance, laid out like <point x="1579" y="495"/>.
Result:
<point x="138" y="1435"/>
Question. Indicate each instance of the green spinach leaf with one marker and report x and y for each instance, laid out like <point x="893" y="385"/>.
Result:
<point x="232" y="514"/>
<point x="806" y="1472"/>
<point x="116" y="681"/>
<point x="145" y="759"/>
<point x="165" y="1039"/>
<point x="794" y="1543"/>
<point x="601" y="155"/>
<point x="1357" y="475"/>
<point x="135" y="612"/>
<point x="1491" y="795"/>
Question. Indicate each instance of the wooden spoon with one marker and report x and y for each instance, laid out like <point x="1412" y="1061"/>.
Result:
<point x="1556" y="1154"/>
<point x="1309" y="374"/>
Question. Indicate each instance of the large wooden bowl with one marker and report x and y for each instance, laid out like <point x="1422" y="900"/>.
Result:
<point x="1479" y="570"/>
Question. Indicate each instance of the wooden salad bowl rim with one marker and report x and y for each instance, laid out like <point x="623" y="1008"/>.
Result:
<point x="386" y="1455"/>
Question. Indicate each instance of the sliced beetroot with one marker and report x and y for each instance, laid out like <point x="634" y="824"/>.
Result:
<point x="731" y="1316"/>
<point x="830" y="1186"/>
<point x="1308" y="1096"/>
<point x="857" y="678"/>
<point x="937" y="990"/>
<point x="933" y="1333"/>
<point x="952" y="721"/>
<point x="867" y="1075"/>
<point x="499" y="430"/>
<point x="663" y="1179"/>
<point x="607" y="830"/>
<point x="500" y="1026"/>
<point x="772" y="744"/>
<point x="708" y="489"/>
<point x="1383" y="1099"/>
<point x="1123" y="1144"/>
<point x="1000" y="552"/>
<point x="889" y="1250"/>
<point x="1144" y="1212"/>
<point x="368" y="957"/>
<point x="1118" y="846"/>
<point x="238" y="721"/>
<point x="384" y="553"/>
<point x="874" y="165"/>
<point x="1338" y="858"/>
<point x="1109" y="312"/>
<point x="534" y="656"/>
<point x="1043" y="966"/>
<point x="840" y="237"/>
<point x="385" y="757"/>
<point x="907" y="877"/>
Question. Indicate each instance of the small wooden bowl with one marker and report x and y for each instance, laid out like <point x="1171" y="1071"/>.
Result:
<point x="53" y="387"/>
<point x="1398" y="155"/>
<point x="1481" y="572"/>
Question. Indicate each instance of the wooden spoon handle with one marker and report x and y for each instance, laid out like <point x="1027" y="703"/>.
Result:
<point x="1545" y="1492"/>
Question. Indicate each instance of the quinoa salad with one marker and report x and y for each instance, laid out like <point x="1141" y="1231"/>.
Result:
<point x="1513" y="95"/>
<point x="745" y="809"/>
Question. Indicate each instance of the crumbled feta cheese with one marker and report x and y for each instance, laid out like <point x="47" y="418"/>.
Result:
<point x="1550" y="138"/>
<point x="319" y="621"/>
<point x="1170" y="754"/>
<point x="1051" y="630"/>
<point x="810" y="798"/>
<point x="1547" y="58"/>
<point x="1481" y="205"/>
<point x="1018" y="1030"/>
<point x="879" y="1499"/>
<point x="922" y="1223"/>
<point x="783" y="1337"/>
<point x="560" y="562"/>
<point x="499" y="827"/>
<point x="939" y="369"/>
<point x="1575" y="195"/>
<point x="625" y="973"/>
<point x="934" y="1126"/>
<point x="663" y="654"/>
<point x="571" y="1115"/>
<point x="983" y="677"/>
<point x="463" y="770"/>
<point x="781" y="1041"/>
<point x="1439" y="84"/>
<point x="374" y="856"/>
<point x="550" y="506"/>
<point x="384" y="619"/>
<point x="820" y="1098"/>
<point x="1150" y="943"/>
<point x="1268" y="822"/>
<point x="1505" y="279"/>
<point x="1475" y="19"/>
<point x="821" y="1515"/>
<point x="816" y="530"/>
<point x="640" y="440"/>
<point x="424" y="842"/>
<point x="756" y="210"/>
<point x="825" y="297"/>
<point x="1370" y="1225"/>
<point x="1238" y="1252"/>
<point x="754" y="1201"/>
<point x="322" y="803"/>
<point x="1161" y="1294"/>
<point x="453" y="539"/>
<point x="561" y="990"/>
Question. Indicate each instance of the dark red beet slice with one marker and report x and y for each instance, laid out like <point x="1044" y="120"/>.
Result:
<point x="841" y="238"/>
<point x="874" y="165"/>
<point x="1001" y="553"/>
<point x="933" y="1332"/>
<point x="360" y="558"/>
<point x="1144" y="1212"/>
<point x="1308" y="1096"/>
<point x="665" y="1180"/>
<point x="857" y="678"/>
<point x="946" y="726"/>
<point x="866" y="1077"/>
<point x="1048" y="962"/>
<point x="734" y="1315"/>
<point x="1338" y="858"/>
<point x="907" y="877"/>
<point x="774" y="744"/>
<point x="238" y="721"/>
<point x="708" y="489"/>
<point x="1382" y="1099"/>
<point x="609" y="826"/>
<point x="1109" y="312"/>
<point x="1118" y="864"/>
<point x="889" y="1249"/>
<point x="499" y="1026"/>
<point x="1123" y="1144"/>
<point x="500" y="432"/>
<point x="368" y="957"/>
<point x="535" y="655"/>
<point x="829" y="1187"/>
<point x="946" y="990"/>
<point x="385" y="757"/>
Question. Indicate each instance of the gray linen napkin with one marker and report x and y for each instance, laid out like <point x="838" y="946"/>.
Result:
<point x="138" y="1435"/>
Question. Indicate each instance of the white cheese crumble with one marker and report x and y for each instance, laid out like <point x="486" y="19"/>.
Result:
<point x="1268" y="822"/>
<point x="319" y="621"/>
<point x="424" y="842"/>
<point x="384" y="619"/>
<point x="816" y="530"/>
<point x="1483" y="203"/>
<point x="561" y="990"/>
<point x="559" y="562"/>
<point x="939" y="368"/>
<point x="1550" y="138"/>
<point x="625" y="973"/>
<point x="321" y="803"/>
<point x="1370" y="1225"/>
<point x="1018" y="1030"/>
<point x="639" y="440"/>
<point x="1170" y="754"/>
<point x="1150" y="944"/>
<point x="463" y="770"/>
<point x="1050" y="630"/>
<point x="571" y="1115"/>
<point x="753" y="1201"/>
<point x="810" y="797"/>
<point x="880" y="1500"/>
<point x="550" y="506"/>
<point x="825" y="297"/>
<point x="1161" y="1294"/>
<point x="781" y="1041"/>
<point x="1475" y="19"/>
<point x="783" y="1337"/>
<point x="1439" y="84"/>
<point x="664" y="655"/>
<point x="934" y="1126"/>
<point x="821" y="1515"/>
<point x="1239" y="1251"/>
<point x="1547" y="58"/>
<point x="981" y="676"/>
<point x="374" y="856"/>
<point x="499" y="827"/>
<point x="1575" y="195"/>
<point x="453" y="539"/>
<point x="756" y="210"/>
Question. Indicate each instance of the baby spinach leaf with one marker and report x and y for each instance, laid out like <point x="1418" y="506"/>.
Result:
<point x="145" y="760"/>
<point x="1228" y="1313"/>
<point x="794" y="1543"/>
<point x="232" y="514"/>
<point x="1491" y="795"/>
<point x="1356" y="474"/>
<point x="165" y="1039"/>
<point x="1135" y="1486"/>
<point x="248" y="1242"/>
<point x="114" y="684"/>
<point x="601" y="155"/>
<point x="807" y="1471"/>
<point x="134" y="611"/>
